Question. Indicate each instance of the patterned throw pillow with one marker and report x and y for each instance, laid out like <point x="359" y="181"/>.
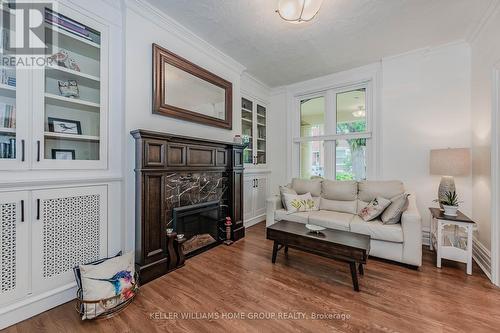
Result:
<point x="392" y="215"/>
<point x="300" y="203"/>
<point x="374" y="208"/>
<point x="113" y="277"/>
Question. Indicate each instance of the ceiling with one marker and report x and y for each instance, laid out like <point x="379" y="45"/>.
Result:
<point x="345" y="33"/>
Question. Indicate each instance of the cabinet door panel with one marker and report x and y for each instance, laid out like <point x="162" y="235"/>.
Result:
<point x="14" y="252"/>
<point x="69" y="228"/>
<point x="260" y="196"/>
<point x="248" y="200"/>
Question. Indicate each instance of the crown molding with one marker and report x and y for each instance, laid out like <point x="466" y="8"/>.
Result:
<point x="165" y="22"/>
<point x="491" y="11"/>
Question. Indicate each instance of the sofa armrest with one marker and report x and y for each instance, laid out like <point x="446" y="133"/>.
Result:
<point x="411" y="222"/>
<point x="273" y="203"/>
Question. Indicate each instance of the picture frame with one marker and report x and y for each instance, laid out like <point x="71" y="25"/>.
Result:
<point x="63" y="154"/>
<point x="65" y="126"/>
<point x="181" y="89"/>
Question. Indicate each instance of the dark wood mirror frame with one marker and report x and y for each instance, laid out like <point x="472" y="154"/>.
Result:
<point x="161" y="57"/>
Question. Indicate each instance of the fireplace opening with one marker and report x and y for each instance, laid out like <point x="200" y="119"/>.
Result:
<point x="200" y="225"/>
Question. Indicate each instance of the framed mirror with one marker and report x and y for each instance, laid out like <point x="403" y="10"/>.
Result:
<point x="186" y="91"/>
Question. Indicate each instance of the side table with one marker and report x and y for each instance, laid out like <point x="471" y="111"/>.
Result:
<point x="452" y="244"/>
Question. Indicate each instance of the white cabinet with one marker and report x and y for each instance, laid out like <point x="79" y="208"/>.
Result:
<point x="14" y="248"/>
<point x="45" y="234"/>
<point x="54" y="115"/>
<point x="255" y="192"/>
<point x="254" y="132"/>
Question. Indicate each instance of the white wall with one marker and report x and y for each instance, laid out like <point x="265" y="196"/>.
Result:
<point x="144" y="26"/>
<point x="424" y="104"/>
<point x="485" y="49"/>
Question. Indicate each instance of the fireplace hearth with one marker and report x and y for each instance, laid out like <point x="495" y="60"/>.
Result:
<point x="200" y="225"/>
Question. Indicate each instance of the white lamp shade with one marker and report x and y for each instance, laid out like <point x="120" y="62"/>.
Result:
<point x="450" y="162"/>
<point x="298" y="10"/>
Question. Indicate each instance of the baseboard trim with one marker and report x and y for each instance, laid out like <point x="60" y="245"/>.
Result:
<point x="254" y="220"/>
<point x="34" y="305"/>
<point x="482" y="256"/>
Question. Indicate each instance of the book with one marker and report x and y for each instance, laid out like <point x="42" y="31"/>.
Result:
<point x="7" y="115"/>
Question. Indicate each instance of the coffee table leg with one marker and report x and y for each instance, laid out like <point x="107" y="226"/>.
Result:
<point x="354" y="275"/>
<point x="275" y="251"/>
<point x="361" y="269"/>
<point x="286" y="249"/>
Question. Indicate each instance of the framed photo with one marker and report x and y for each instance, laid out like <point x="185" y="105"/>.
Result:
<point x="63" y="154"/>
<point x="67" y="126"/>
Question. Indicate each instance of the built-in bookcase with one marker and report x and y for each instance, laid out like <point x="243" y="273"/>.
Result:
<point x="66" y="98"/>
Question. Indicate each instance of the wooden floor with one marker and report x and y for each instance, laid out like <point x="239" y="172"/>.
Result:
<point x="240" y="280"/>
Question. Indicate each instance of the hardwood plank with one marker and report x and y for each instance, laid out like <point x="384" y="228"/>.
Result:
<point x="241" y="279"/>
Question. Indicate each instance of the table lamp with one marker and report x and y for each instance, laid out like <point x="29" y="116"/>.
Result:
<point x="449" y="163"/>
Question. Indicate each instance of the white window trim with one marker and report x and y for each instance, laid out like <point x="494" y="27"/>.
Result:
<point x="326" y="86"/>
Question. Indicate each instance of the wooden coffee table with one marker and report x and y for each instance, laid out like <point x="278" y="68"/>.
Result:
<point x="340" y="245"/>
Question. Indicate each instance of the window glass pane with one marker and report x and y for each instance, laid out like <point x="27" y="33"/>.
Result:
<point x="351" y="159"/>
<point x="312" y="116"/>
<point x="312" y="156"/>
<point x="351" y="111"/>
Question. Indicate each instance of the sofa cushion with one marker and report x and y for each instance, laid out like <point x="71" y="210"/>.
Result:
<point x="378" y="230"/>
<point x="332" y="220"/>
<point x="286" y="190"/>
<point x="281" y="214"/>
<point x="339" y="190"/>
<point x="299" y="203"/>
<point x="369" y="190"/>
<point x="338" y="206"/>
<point x="302" y="186"/>
<point x="374" y="208"/>
<point x="392" y="214"/>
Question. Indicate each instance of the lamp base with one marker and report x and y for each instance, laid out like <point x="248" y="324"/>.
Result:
<point x="446" y="185"/>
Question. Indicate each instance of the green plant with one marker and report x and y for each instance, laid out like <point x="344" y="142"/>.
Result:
<point x="451" y="199"/>
<point x="342" y="175"/>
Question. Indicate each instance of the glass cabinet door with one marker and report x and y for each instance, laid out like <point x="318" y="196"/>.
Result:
<point x="69" y="122"/>
<point x="13" y="110"/>
<point x="9" y="135"/>
<point x="72" y="90"/>
<point x="247" y="130"/>
<point x="261" y="134"/>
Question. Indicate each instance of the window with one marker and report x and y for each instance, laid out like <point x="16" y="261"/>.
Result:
<point x="334" y="134"/>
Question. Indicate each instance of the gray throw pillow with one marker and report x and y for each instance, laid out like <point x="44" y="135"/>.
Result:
<point x="374" y="209"/>
<point x="392" y="215"/>
<point x="286" y="190"/>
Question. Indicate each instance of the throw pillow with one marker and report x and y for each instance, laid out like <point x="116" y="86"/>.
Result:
<point x="113" y="277"/>
<point x="392" y="215"/>
<point x="374" y="208"/>
<point x="299" y="203"/>
<point x="286" y="190"/>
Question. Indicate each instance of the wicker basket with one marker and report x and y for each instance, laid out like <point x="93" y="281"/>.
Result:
<point x="83" y="306"/>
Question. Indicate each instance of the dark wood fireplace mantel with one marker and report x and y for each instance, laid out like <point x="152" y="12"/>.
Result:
<point x="160" y="156"/>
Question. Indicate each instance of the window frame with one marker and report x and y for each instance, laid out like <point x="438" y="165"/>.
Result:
<point x="331" y="136"/>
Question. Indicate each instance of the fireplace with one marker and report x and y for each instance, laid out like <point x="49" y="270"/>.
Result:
<point x="199" y="224"/>
<point x="179" y="175"/>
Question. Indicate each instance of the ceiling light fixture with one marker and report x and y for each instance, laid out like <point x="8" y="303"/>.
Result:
<point x="298" y="11"/>
<point x="360" y="113"/>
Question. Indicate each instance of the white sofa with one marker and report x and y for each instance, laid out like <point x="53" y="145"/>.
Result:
<point x="339" y="203"/>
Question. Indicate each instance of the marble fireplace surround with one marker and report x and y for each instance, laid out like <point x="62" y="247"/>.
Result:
<point x="186" y="189"/>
